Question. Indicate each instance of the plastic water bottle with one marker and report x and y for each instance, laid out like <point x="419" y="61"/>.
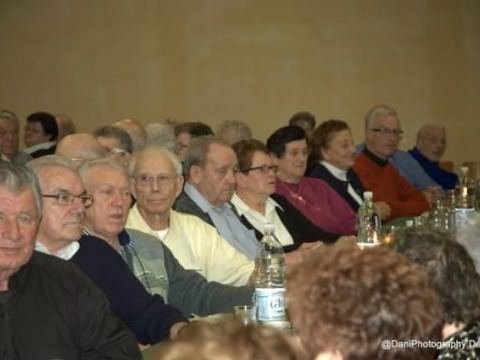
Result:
<point x="270" y="281"/>
<point x="368" y="222"/>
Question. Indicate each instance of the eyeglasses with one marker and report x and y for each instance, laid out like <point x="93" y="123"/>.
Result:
<point x="264" y="169"/>
<point x="148" y="180"/>
<point x="66" y="198"/>
<point x="386" y="131"/>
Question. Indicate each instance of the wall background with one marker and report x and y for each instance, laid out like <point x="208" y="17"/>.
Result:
<point x="254" y="60"/>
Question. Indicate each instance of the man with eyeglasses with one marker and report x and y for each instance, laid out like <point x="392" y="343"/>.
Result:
<point x="377" y="174"/>
<point x="209" y="166"/>
<point x="157" y="180"/>
<point x="49" y="309"/>
<point x="64" y="206"/>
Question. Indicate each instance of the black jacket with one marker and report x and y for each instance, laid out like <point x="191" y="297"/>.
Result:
<point x="53" y="311"/>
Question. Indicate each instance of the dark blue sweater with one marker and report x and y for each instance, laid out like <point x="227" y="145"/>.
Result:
<point x="445" y="179"/>
<point x="146" y="315"/>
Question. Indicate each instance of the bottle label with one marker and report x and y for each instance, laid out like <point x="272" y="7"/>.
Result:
<point x="270" y="303"/>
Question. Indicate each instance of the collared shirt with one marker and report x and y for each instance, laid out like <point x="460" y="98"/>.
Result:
<point x="65" y="253"/>
<point x="342" y="175"/>
<point x="41" y="146"/>
<point x="227" y="223"/>
<point x="259" y="220"/>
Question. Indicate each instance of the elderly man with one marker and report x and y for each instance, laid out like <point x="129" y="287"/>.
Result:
<point x="64" y="206"/>
<point x="347" y="303"/>
<point x="80" y="148"/>
<point x="428" y="151"/>
<point x="116" y="141"/>
<point x="150" y="260"/>
<point x="210" y="165"/>
<point x="65" y="125"/>
<point x="135" y="130"/>
<point x="377" y="174"/>
<point x="157" y="181"/>
<point x="9" y="138"/>
<point x="48" y="308"/>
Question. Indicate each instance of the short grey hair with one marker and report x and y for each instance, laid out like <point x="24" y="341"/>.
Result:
<point x="17" y="178"/>
<point x="159" y="134"/>
<point x="9" y="116"/>
<point x="197" y="152"/>
<point x="89" y="165"/>
<point x="378" y="112"/>
<point x="50" y="160"/>
<point x="238" y="129"/>
<point x="155" y="150"/>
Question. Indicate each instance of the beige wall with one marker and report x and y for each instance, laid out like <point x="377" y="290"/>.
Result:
<point x="254" y="60"/>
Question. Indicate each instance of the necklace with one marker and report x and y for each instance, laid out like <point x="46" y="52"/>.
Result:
<point x="292" y="193"/>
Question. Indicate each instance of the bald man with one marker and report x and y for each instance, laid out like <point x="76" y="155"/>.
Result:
<point x="135" y="130"/>
<point x="80" y="148"/>
<point x="428" y="151"/>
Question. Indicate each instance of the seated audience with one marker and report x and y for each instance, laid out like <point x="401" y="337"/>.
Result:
<point x="9" y="138"/>
<point x="428" y="151"/>
<point x="40" y="134"/>
<point x="254" y="202"/>
<point x="65" y="125"/>
<point x="228" y="340"/>
<point x="334" y="149"/>
<point x="232" y="131"/>
<point x="377" y="174"/>
<point x="452" y="274"/>
<point x="65" y="200"/>
<point x="161" y="134"/>
<point x="156" y="181"/>
<point x="116" y="141"/>
<point x="135" y="130"/>
<point x="80" y="147"/>
<point x="209" y="166"/>
<point x="48" y="308"/>
<point x="345" y="303"/>
<point x="313" y="197"/>
<point x="185" y="132"/>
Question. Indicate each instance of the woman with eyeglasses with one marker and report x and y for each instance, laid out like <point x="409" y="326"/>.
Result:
<point x="334" y="148"/>
<point x="313" y="197"/>
<point x="256" y="203"/>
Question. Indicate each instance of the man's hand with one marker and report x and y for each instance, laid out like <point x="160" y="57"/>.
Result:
<point x="383" y="209"/>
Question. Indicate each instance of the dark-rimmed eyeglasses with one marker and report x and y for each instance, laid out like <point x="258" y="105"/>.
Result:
<point x="66" y="198"/>
<point x="386" y="131"/>
<point x="264" y="169"/>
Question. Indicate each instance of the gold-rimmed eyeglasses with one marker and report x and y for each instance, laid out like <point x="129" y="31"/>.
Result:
<point x="264" y="169"/>
<point x="387" y="131"/>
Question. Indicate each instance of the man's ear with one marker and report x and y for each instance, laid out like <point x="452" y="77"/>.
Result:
<point x="179" y="183"/>
<point x="195" y="174"/>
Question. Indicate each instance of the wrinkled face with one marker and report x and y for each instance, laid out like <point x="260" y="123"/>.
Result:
<point x="216" y="180"/>
<point x="182" y="141"/>
<point x="155" y="185"/>
<point x="259" y="180"/>
<point x="383" y="137"/>
<point x="433" y="144"/>
<point x="61" y="223"/>
<point x="340" y="151"/>
<point x="292" y="165"/>
<point x="8" y="137"/>
<point x="111" y="201"/>
<point x="19" y="221"/>
<point x="34" y="134"/>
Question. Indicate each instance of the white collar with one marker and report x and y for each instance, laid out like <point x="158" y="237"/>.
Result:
<point x="243" y="208"/>
<point x="65" y="253"/>
<point x="338" y="173"/>
<point x="41" y="146"/>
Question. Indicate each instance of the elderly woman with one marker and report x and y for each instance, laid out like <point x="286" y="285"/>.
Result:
<point x="333" y="145"/>
<point x="257" y="206"/>
<point x="452" y="275"/>
<point x="313" y="197"/>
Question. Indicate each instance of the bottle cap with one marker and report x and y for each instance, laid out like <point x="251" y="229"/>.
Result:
<point x="367" y="195"/>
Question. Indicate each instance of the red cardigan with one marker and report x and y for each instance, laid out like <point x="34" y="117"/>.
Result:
<point x="389" y="186"/>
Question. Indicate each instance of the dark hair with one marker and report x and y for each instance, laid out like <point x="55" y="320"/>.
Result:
<point x="345" y="299"/>
<point x="302" y="116"/>
<point x="450" y="270"/>
<point x="116" y="133"/>
<point x="195" y="129"/>
<point x="47" y="121"/>
<point x="245" y="149"/>
<point x="277" y="142"/>
<point x="324" y="133"/>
